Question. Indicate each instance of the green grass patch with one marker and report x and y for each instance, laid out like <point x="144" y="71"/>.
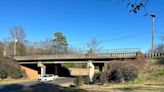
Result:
<point x="160" y="73"/>
<point x="151" y="77"/>
<point x="140" y="80"/>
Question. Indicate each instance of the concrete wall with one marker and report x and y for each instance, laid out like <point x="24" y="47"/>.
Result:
<point x="31" y="73"/>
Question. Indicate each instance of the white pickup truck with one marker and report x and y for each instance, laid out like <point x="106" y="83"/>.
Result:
<point x="48" y="77"/>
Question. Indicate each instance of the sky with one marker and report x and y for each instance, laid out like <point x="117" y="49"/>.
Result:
<point x="80" y="20"/>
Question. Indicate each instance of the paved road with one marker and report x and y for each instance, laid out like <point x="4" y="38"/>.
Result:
<point x="18" y="87"/>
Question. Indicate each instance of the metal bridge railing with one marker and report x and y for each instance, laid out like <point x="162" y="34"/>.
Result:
<point x="154" y="55"/>
<point x="101" y="51"/>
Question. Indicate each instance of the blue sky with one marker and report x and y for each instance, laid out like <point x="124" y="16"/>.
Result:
<point x="81" y="20"/>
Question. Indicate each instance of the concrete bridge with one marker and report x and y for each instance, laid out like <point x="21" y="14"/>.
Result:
<point x="45" y="61"/>
<point x="68" y="58"/>
<point x="103" y="55"/>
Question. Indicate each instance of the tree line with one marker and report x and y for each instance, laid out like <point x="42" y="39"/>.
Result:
<point x="56" y="45"/>
<point x="17" y="43"/>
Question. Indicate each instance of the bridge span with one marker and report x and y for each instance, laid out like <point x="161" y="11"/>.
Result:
<point x="97" y="57"/>
<point x="75" y="57"/>
<point x="103" y="55"/>
<point x="54" y="61"/>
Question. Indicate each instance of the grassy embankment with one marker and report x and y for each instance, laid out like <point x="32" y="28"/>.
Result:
<point x="151" y="79"/>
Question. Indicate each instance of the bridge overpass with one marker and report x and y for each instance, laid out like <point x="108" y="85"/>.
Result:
<point x="68" y="58"/>
<point x="97" y="57"/>
<point x="104" y="55"/>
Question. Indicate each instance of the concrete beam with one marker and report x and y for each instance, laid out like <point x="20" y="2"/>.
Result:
<point x="62" y="62"/>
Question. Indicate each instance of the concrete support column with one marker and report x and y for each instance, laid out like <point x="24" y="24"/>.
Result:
<point x="91" y="69"/>
<point x="43" y="68"/>
<point x="105" y="66"/>
<point x="56" y="70"/>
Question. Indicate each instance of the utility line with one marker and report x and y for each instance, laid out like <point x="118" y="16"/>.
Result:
<point x="118" y="38"/>
<point x="126" y="37"/>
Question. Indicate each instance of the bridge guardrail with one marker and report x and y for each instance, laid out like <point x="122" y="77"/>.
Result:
<point x="108" y="53"/>
<point x="154" y="55"/>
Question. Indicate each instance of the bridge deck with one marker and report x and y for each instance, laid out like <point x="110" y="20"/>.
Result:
<point x="77" y="57"/>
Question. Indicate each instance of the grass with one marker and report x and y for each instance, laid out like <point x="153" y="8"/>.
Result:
<point x="154" y="76"/>
<point x="160" y="73"/>
<point x="139" y="80"/>
<point x="151" y="79"/>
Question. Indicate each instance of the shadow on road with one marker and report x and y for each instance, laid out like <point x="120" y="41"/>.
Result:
<point x="39" y="87"/>
<point x="11" y="88"/>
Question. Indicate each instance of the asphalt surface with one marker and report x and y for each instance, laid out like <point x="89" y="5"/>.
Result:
<point x="19" y="87"/>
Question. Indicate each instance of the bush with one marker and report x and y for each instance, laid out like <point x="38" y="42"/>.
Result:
<point x="121" y="71"/>
<point x="9" y="67"/>
<point x="86" y="80"/>
<point x="3" y="74"/>
<point x="100" y="78"/>
<point x="129" y="73"/>
<point x="15" y="74"/>
<point x="103" y="78"/>
<point x="78" y="81"/>
<point x="96" y="78"/>
<point x="116" y="76"/>
<point x="161" y="61"/>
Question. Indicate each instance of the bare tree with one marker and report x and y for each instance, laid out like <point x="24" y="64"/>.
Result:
<point x="31" y="47"/>
<point x="6" y="50"/>
<point x="1" y="49"/>
<point x="17" y="33"/>
<point x="159" y="48"/>
<point x="18" y="38"/>
<point x="93" y="45"/>
<point x="47" y="45"/>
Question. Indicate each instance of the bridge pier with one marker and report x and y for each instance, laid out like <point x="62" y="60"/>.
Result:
<point x="105" y="67"/>
<point x="43" y="68"/>
<point x="91" y="68"/>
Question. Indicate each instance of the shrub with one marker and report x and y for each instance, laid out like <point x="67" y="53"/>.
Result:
<point x="3" y="74"/>
<point x="161" y="61"/>
<point x="116" y="76"/>
<point x="103" y="78"/>
<point x="121" y="71"/>
<point x="86" y="80"/>
<point x="100" y="78"/>
<point x="129" y="73"/>
<point x="11" y="68"/>
<point x="78" y="81"/>
<point x="96" y="78"/>
<point x="15" y="73"/>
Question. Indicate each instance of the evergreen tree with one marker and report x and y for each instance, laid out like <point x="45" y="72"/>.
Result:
<point x="60" y="43"/>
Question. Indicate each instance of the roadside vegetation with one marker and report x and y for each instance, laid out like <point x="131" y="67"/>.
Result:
<point x="9" y="68"/>
<point x="142" y="74"/>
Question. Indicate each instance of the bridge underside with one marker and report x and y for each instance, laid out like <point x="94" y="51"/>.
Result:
<point x="60" y="61"/>
<point x="55" y="69"/>
<point x="52" y="63"/>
